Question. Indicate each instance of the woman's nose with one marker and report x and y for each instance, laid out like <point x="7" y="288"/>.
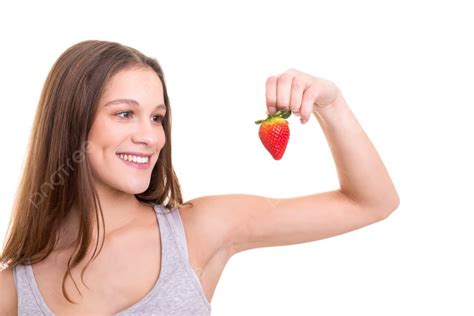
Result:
<point x="146" y="133"/>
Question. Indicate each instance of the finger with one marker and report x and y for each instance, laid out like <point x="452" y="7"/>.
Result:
<point x="271" y="94"/>
<point x="284" y="91"/>
<point x="309" y="96"/>
<point x="297" y="89"/>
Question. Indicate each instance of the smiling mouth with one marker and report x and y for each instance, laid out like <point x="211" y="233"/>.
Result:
<point x="140" y="162"/>
<point x="135" y="159"/>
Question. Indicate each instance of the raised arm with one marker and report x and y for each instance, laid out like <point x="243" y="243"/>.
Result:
<point x="361" y="172"/>
<point x="366" y="193"/>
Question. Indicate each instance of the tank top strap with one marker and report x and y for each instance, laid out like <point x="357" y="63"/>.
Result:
<point x="176" y="227"/>
<point x="30" y="301"/>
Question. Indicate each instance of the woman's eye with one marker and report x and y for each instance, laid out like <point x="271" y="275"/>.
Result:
<point x="160" y="118"/>
<point x="125" y="112"/>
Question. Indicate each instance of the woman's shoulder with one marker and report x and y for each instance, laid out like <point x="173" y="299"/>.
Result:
<point x="8" y="297"/>
<point x="209" y="221"/>
<point x="207" y="224"/>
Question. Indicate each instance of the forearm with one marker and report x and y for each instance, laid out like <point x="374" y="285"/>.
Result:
<point x="361" y="172"/>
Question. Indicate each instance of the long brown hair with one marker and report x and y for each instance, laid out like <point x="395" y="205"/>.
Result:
<point x="57" y="173"/>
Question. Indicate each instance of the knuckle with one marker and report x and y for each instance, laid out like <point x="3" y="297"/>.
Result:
<point x="285" y="77"/>
<point x="270" y="83"/>
<point x="312" y="92"/>
<point x="330" y="85"/>
<point x="298" y="83"/>
<point x="271" y="80"/>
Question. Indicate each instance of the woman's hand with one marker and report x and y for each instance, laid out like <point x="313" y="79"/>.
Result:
<point x="301" y="93"/>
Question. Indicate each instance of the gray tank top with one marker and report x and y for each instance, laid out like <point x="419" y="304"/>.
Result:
<point x="176" y="292"/>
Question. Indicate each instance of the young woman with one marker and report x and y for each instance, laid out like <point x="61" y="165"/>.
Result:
<point x="99" y="171"/>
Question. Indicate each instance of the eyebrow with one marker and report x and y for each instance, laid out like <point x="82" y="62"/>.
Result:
<point x="132" y="102"/>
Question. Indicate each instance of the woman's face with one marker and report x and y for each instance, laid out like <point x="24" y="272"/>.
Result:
<point x="127" y="131"/>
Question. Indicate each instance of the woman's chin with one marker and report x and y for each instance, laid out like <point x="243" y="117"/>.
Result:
<point x="132" y="188"/>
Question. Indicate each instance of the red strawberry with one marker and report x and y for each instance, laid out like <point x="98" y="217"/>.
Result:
<point x="275" y="133"/>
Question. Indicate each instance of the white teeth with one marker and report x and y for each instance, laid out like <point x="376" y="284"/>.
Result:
<point x="135" y="159"/>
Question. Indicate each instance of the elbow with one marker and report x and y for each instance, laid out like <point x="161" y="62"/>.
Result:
<point x="395" y="201"/>
<point x="390" y="207"/>
<point x="383" y="208"/>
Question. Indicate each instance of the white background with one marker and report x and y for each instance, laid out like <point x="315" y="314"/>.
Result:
<point x="406" y="70"/>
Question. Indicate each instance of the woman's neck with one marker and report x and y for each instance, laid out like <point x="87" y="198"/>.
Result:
<point x="119" y="215"/>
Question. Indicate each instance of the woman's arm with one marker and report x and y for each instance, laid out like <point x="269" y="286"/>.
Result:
<point x="366" y="194"/>
<point x="361" y="172"/>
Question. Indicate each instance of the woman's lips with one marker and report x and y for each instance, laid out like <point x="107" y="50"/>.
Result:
<point x="137" y="165"/>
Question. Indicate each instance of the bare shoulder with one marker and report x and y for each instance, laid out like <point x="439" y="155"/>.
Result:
<point x="8" y="296"/>
<point x="205" y="225"/>
<point x="213" y="223"/>
<point x="216" y="220"/>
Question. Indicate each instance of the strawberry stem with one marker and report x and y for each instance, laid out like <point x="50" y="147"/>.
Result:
<point x="283" y="114"/>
